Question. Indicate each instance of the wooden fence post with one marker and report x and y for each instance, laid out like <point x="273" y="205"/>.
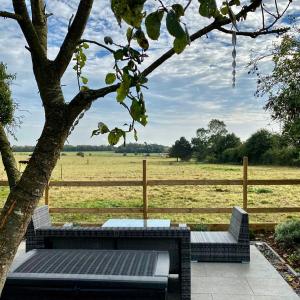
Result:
<point x="245" y="182"/>
<point x="145" y="196"/>
<point x="47" y="194"/>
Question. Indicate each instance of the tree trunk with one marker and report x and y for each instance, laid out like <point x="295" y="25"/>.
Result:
<point x="8" y="159"/>
<point x="24" y="198"/>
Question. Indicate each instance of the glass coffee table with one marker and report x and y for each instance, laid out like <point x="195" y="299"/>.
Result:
<point x="137" y="223"/>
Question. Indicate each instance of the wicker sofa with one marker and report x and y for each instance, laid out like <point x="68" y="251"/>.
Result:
<point x="47" y="274"/>
<point x="230" y="246"/>
<point x="176" y="240"/>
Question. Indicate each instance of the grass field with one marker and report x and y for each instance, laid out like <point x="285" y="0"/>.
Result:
<point x="108" y="166"/>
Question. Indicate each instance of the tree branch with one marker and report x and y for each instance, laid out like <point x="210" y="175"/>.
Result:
<point x="254" y="34"/>
<point x="276" y="17"/>
<point x="98" y="44"/>
<point x="188" y="4"/>
<point x="8" y="159"/>
<point x="215" y="25"/>
<point x="85" y="98"/>
<point x="9" y="15"/>
<point x="39" y="21"/>
<point x="73" y="36"/>
<point x="29" y="32"/>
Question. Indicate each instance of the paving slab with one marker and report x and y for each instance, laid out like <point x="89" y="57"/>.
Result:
<point x="258" y="280"/>
<point x="253" y="297"/>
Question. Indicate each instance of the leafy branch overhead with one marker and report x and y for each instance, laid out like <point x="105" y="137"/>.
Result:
<point x="7" y="105"/>
<point x="144" y="25"/>
<point x="282" y="86"/>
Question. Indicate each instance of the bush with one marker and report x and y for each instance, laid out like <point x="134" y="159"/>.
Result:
<point x="257" y="144"/>
<point x="288" y="233"/>
<point x="284" y="156"/>
<point x="81" y="154"/>
<point x="233" y="155"/>
<point x="211" y="159"/>
<point x="294" y="258"/>
<point x="296" y="162"/>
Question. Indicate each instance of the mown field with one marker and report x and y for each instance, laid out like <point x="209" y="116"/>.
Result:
<point x="110" y="166"/>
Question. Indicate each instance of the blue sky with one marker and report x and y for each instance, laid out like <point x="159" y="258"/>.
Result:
<point x="184" y="94"/>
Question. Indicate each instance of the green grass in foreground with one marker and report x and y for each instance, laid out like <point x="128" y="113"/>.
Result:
<point x="111" y="166"/>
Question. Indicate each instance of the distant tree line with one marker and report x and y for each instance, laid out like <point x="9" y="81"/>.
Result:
<point x="69" y="148"/>
<point x="215" y="144"/>
<point x="142" y="148"/>
<point x="128" y="148"/>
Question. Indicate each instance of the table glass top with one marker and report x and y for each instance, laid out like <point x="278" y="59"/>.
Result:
<point x="137" y="223"/>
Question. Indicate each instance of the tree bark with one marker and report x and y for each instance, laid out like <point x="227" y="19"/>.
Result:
<point x="8" y="159"/>
<point x="39" y="21"/>
<point x="25" y="196"/>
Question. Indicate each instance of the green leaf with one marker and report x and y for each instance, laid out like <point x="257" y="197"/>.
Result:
<point x="179" y="10"/>
<point x="110" y="78"/>
<point x="118" y="55"/>
<point x="84" y="80"/>
<point x="144" y="120"/>
<point x="82" y="56"/>
<point x="115" y="135"/>
<point x="141" y="39"/>
<point x="136" y="110"/>
<point x="208" y="8"/>
<point x="134" y="53"/>
<point x="102" y="128"/>
<point x="113" y="138"/>
<point x="173" y="25"/>
<point x="118" y="7"/>
<point x="135" y="135"/>
<point x="123" y="89"/>
<point x="122" y="92"/>
<point x="234" y="2"/>
<point x="131" y="65"/>
<point x="153" y="24"/>
<point x="84" y="88"/>
<point x="129" y="34"/>
<point x="224" y="10"/>
<point x="85" y="46"/>
<point x="130" y="11"/>
<point x="180" y="44"/>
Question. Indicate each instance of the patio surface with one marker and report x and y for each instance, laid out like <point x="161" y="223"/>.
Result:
<point x="231" y="281"/>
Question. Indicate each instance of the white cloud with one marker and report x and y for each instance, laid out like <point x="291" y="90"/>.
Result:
<point x="184" y="93"/>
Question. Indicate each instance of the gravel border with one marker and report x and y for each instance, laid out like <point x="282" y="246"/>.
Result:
<point x="284" y="269"/>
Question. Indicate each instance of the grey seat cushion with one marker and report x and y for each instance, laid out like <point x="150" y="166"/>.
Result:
<point x="98" y="267"/>
<point x="216" y="237"/>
